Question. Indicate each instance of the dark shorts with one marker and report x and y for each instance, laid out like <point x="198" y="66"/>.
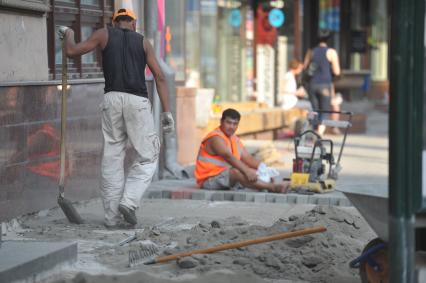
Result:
<point x="220" y="182"/>
<point x="320" y="97"/>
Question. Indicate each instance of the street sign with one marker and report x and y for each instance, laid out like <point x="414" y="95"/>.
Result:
<point x="235" y="18"/>
<point x="276" y="18"/>
<point x="358" y="41"/>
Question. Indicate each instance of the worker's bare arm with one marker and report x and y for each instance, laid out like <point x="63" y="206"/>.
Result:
<point x="160" y="80"/>
<point x="334" y="61"/>
<point x="307" y="59"/>
<point x="249" y="160"/>
<point x="218" y="146"/>
<point x="98" y="38"/>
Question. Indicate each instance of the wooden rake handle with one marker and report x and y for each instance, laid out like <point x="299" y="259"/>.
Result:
<point x="240" y="244"/>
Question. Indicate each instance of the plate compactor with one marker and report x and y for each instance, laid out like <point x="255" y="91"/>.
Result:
<point x="315" y="169"/>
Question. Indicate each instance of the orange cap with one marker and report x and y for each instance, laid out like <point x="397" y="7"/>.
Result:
<point x="124" y="12"/>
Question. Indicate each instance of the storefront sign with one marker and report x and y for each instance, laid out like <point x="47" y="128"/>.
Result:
<point x="265" y="32"/>
<point x="249" y="55"/>
<point x="276" y="18"/>
<point x="265" y="74"/>
<point x="358" y="41"/>
<point x="329" y="15"/>
<point x="235" y="18"/>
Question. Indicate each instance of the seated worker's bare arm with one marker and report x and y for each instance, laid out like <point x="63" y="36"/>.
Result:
<point x="98" y="38"/>
<point x="249" y="160"/>
<point x="216" y="146"/>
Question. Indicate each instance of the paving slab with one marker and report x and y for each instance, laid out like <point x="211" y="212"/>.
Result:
<point x="21" y="260"/>
<point x="187" y="189"/>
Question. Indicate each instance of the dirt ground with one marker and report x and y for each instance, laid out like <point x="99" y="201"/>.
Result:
<point x="322" y="257"/>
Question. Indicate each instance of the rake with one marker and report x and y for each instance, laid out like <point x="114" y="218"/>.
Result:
<point x="145" y="255"/>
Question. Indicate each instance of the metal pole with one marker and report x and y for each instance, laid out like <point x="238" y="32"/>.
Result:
<point x="150" y="20"/>
<point x="405" y="134"/>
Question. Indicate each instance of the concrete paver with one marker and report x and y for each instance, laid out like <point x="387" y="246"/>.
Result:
<point x="167" y="189"/>
<point x="27" y="259"/>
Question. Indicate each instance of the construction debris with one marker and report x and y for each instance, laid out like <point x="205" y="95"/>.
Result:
<point x="322" y="257"/>
<point x="266" y="152"/>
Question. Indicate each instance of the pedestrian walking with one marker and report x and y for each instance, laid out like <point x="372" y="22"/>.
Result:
<point x="126" y="112"/>
<point x="322" y="62"/>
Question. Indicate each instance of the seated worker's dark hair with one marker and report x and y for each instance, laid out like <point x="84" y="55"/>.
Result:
<point x="231" y="113"/>
<point x="324" y="35"/>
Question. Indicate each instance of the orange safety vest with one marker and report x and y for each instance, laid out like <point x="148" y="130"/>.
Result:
<point x="47" y="164"/>
<point x="208" y="165"/>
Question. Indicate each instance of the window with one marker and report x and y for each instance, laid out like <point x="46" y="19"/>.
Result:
<point x="175" y="38"/>
<point x="84" y="17"/>
<point x="192" y="42"/>
<point x="208" y="43"/>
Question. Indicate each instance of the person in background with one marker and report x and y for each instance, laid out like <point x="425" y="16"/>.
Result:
<point x="126" y="112"/>
<point x="292" y="96"/>
<point x="324" y="61"/>
<point x="336" y="101"/>
<point x="224" y="163"/>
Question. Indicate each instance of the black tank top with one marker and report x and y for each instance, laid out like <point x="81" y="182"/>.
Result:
<point x="123" y="61"/>
<point x="322" y="75"/>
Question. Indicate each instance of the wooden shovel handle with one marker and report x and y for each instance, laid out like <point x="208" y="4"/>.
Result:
<point x="63" y="117"/>
<point x="244" y="243"/>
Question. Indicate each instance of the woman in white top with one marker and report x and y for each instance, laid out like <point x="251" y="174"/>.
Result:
<point x="290" y="95"/>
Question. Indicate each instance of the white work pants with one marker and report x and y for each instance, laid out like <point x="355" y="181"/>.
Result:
<point x="126" y="118"/>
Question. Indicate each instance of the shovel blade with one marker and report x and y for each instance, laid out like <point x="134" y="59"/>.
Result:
<point x="70" y="211"/>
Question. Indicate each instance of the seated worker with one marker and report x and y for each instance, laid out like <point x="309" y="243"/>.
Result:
<point x="224" y="163"/>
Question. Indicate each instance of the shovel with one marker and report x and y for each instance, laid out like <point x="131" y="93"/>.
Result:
<point x="66" y="205"/>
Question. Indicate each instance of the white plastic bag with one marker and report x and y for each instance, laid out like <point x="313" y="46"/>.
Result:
<point x="265" y="173"/>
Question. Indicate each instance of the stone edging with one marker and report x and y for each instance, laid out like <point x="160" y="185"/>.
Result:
<point x="291" y="198"/>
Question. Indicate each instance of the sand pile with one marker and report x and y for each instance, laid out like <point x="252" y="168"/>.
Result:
<point x="320" y="257"/>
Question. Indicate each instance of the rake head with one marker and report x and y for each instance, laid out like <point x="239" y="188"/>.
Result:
<point x="146" y="251"/>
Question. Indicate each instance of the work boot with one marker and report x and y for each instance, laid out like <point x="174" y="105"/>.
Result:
<point x="128" y="214"/>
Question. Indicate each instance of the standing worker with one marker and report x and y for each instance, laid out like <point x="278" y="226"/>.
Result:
<point x="126" y="112"/>
<point x="323" y="62"/>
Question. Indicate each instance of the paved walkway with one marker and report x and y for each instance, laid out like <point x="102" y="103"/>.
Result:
<point x="186" y="189"/>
